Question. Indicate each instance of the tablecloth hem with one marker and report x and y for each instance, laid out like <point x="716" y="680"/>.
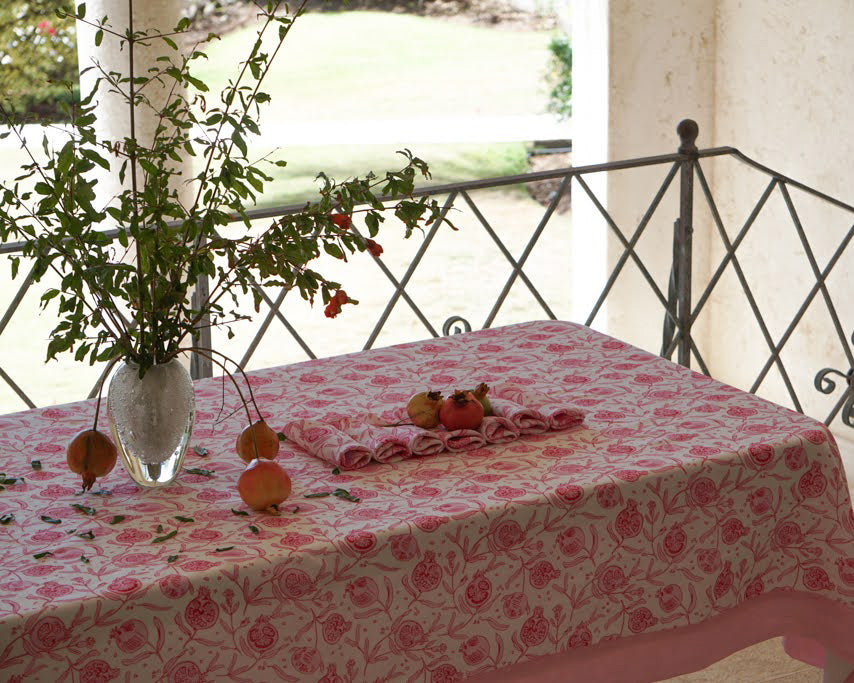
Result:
<point x="810" y="622"/>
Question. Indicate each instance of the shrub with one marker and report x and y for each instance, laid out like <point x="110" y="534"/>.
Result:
<point x="38" y="54"/>
<point x="559" y="76"/>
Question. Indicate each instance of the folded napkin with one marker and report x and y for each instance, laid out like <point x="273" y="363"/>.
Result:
<point x="557" y="415"/>
<point x="526" y="420"/>
<point x="419" y="441"/>
<point x="387" y="444"/>
<point x="328" y="443"/>
<point x="497" y="429"/>
<point x="461" y="439"/>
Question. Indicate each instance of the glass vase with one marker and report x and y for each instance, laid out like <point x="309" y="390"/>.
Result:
<point x="152" y="420"/>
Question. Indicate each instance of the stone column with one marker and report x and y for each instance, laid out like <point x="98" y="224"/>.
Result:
<point x="113" y="112"/>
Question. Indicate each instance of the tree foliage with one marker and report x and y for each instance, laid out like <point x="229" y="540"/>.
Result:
<point x="130" y="296"/>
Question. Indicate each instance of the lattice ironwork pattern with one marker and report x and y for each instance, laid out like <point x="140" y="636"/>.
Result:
<point x="684" y="173"/>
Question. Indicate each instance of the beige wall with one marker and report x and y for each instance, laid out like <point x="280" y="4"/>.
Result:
<point x="785" y="76"/>
<point x="773" y="78"/>
<point x="656" y="61"/>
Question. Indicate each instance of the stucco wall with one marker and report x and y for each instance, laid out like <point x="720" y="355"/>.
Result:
<point x="773" y="78"/>
<point x="639" y="67"/>
<point x="785" y="92"/>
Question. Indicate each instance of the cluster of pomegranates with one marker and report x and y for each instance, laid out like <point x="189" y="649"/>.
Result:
<point x="262" y="485"/>
<point x="461" y="410"/>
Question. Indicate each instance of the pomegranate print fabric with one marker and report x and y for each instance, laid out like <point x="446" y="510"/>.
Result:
<point x="666" y="510"/>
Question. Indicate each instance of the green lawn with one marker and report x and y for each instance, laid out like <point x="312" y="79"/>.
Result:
<point x="374" y="65"/>
<point x="365" y="65"/>
<point x="448" y="163"/>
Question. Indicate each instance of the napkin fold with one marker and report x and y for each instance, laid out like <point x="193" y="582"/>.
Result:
<point x="526" y="420"/>
<point x="557" y="416"/>
<point x="419" y="441"/>
<point x="497" y="429"/>
<point x="458" y="440"/>
<point x="387" y="444"/>
<point x="328" y="443"/>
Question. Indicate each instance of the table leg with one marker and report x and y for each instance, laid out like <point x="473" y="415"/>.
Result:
<point x="836" y="669"/>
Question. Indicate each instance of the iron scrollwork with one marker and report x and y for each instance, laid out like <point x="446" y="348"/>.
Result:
<point x="826" y="385"/>
<point x="455" y="320"/>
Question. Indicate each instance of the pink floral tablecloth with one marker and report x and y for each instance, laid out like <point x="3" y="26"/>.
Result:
<point x="683" y="520"/>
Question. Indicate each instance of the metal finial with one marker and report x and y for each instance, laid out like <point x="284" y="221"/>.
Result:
<point x="688" y="131"/>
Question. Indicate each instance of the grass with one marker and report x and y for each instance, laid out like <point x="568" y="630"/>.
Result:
<point x="448" y="163"/>
<point x="369" y="65"/>
<point x="372" y="66"/>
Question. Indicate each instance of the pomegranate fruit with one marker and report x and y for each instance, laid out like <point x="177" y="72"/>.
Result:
<point x="461" y="411"/>
<point x="257" y="441"/>
<point x="91" y="454"/>
<point x="479" y="393"/>
<point x="423" y="409"/>
<point x="263" y="484"/>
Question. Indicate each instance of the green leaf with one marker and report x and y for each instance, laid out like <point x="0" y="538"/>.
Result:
<point x="85" y="509"/>
<point x="281" y="436"/>
<point x="172" y="558"/>
<point x="201" y="86"/>
<point x="36" y="464"/>
<point x="46" y="553"/>
<point x="88" y="535"/>
<point x="50" y="520"/>
<point x="322" y="494"/>
<point x="117" y="518"/>
<point x="81" y="10"/>
<point x="222" y="550"/>
<point x="239" y="142"/>
<point x="346" y="495"/>
<point x="99" y="36"/>
<point x="85" y="559"/>
<point x="184" y="519"/>
<point x="239" y="512"/>
<point x="254" y="529"/>
<point x="199" y="470"/>
<point x="171" y="534"/>
<point x="336" y="470"/>
<point x="333" y="250"/>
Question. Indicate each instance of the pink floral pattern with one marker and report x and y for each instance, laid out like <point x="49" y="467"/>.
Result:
<point x="667" y="507"/>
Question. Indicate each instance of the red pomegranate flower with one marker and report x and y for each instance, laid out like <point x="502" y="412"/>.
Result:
<point x="342" y="221"/>
<point x="333" y="308"/>
<point x="375" y="249"/>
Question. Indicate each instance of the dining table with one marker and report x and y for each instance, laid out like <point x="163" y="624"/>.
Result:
<point x="682" y="520"/>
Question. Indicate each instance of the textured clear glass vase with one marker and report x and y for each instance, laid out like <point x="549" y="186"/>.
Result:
<point x="152" y="420"/>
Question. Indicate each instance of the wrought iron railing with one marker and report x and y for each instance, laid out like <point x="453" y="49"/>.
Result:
<point x="680" y="308"/>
